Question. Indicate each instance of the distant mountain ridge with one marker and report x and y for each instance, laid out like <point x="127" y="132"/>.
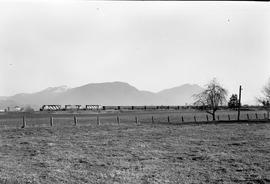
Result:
<point x="180" y="95"/>
<point x="108" y="93"/>
<point x="56" y="89"/>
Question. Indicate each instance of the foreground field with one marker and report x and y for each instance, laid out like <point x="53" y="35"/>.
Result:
<point x="129" y="153"/>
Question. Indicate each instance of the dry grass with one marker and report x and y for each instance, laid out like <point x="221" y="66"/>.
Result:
<point x="129" y="153"/>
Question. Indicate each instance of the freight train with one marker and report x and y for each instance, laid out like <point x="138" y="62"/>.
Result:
<point x="100" y="107"/>
<point x="69" y="107"/>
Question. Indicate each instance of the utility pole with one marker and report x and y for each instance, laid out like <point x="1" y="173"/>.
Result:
<point x="239" y="103"/>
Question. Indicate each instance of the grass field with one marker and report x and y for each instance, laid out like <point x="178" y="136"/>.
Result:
<point x="42" y="119"/>
<point x="130" y="153"/>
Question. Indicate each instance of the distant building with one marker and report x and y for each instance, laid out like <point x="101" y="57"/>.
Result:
<point x="17" y="108"/>
<point x="14" y="109"/>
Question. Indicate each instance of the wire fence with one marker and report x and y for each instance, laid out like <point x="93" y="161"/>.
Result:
<point x="51" y="120"/>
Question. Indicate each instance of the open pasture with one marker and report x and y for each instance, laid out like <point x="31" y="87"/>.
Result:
<point x="133" y="153"/>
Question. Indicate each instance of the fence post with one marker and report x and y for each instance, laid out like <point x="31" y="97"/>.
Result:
<point x="206" y="117"/>
<point x="256" y="115"/>
<point x="153" y="119"/>
<point x="75" y="120"/>
<point x="218" y="117"/>
<point x="229" y="118"/>
<point x="98" y="120"/>
<point x="247" y="117"/>
<point x="168" y="119"/>
<point x="51" y="121"/>
<point x="182" y="119"/>
<point x="118" y="119"/>
<point x="264" y="115"/>
<point x="24" y="122"/>
<point x="195" y="118"/>
<point x="136" y="120"/>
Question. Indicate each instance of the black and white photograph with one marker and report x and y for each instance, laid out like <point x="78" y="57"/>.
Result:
<point x="134" y="92"/>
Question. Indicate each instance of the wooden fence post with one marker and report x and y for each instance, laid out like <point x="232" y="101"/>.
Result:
<point x="182" y="119"/>
<point x="247" y="117"/>
<point x="153" y="119"/>
<point x="168" y="119"/>
<point x="206" y="117"/>
<point x="75" y="120"/>
<point x="24" y="122"/>
<point x="256" y="115"/>
<point x="98" y="120"/>
<point x="51" y="121"/>
<point x="118" y="120"/>
<point x="195" y="118"/>
<point x="218" y="117"/>
<point x="229" y="118"/>
<point x="136" y="120"/>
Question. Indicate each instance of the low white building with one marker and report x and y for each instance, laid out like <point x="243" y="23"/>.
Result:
<point x="14" y="109"/>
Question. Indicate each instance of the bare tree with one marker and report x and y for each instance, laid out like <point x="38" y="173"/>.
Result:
<point x="211" y="98"/>
<point x="265" y="100"/>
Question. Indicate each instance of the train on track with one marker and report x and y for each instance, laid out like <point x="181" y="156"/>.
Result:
<point x="100" y="107"/>
<point x="151" y="107"/>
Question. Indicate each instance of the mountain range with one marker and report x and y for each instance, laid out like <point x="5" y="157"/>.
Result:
<point x="108" y="93"/>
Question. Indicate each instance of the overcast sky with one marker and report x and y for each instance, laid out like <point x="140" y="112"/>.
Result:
<point x="150" y="45"/>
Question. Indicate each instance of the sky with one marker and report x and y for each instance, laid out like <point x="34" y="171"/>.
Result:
<point x="151" y="45"/>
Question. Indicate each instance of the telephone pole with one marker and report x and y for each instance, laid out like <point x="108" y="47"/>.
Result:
<point x="239" y="103"/>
